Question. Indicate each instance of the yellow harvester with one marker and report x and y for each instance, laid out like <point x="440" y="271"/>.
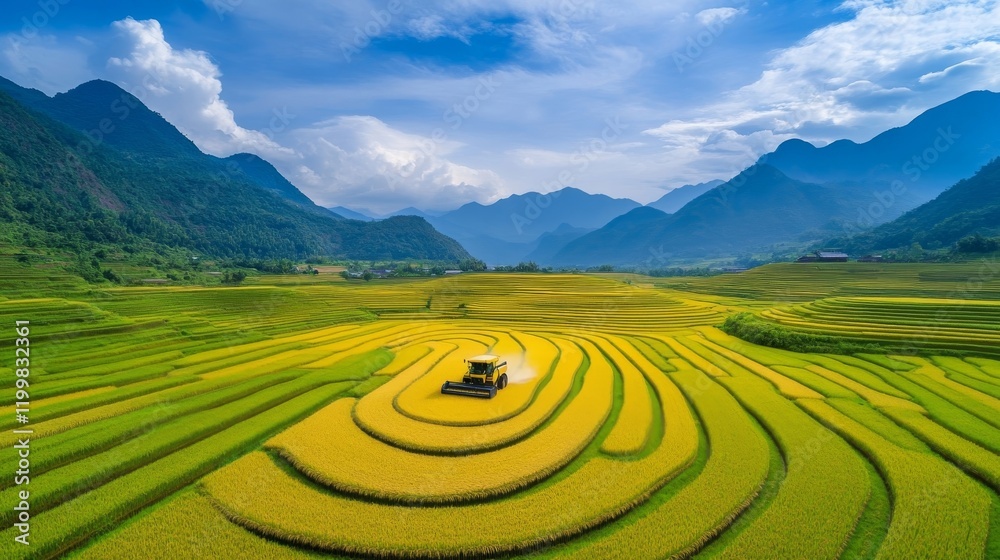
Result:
<point x="485" y="375"/>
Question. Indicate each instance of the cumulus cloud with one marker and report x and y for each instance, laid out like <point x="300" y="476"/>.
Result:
<point x="360" y="160"/>
<point x="185" y="87"/>
<point x="851" y="78"/>
<point x="351" y="160"/>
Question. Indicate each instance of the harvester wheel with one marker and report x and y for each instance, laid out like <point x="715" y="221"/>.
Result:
<point x="502" y="382"/>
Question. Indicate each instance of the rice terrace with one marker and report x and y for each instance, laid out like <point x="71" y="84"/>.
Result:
<point x="302" y="416"/>
<point x="476" y="280"/>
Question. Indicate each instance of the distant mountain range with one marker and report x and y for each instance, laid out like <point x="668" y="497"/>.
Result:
<point x="529" y="226"/>
<point x="933" y="151"/>
<point x="350" y="214"/>
<point x="522" y="218"/>
<point x="969" y="207"/>
<point x="801" y="194"/>
<point x="677" y="198"/>
<point x="94" y="167"/>
<point x="760" y="207"/>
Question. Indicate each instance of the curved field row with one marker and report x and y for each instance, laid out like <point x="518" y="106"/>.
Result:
<point x="937" y="512"/>
<point x="635" y="421"/>
<point x="404" y="358"/>
<point x="825" y="482"/>
<point x="899" y="323"/>
<point x="423" y="401"/>
<point x="328" y="447"/>
<point x="942" y="410"/>
<point x="105" y="501"/>
<point x="731" y="479"/>
<point x="376" y="415"/>
<point x="806" y="282"/>
<point x="788" y="387"/>
<point x="540" y="515"/>
<point x="271" y="421"/>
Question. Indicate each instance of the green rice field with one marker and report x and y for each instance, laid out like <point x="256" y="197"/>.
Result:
<point x="301" y="417"/>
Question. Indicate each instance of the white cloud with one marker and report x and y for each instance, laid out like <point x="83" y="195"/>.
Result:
<point x="351" y="160"/>
<point x="362" y="161"/>
<point x="562" y="68"/>
<point x="434" y="26"/>
<point x="966" y="67"/>
<point x="854" y="78"/>
<point x="185" y="87"/>
<point x="44" y="62"/>
<point x="715" y="16"/>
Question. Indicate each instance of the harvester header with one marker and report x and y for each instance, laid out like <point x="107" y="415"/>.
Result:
<point x="484" y="376"/>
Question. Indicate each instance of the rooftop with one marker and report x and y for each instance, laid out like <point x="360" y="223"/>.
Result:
<point x="483" y="358"/>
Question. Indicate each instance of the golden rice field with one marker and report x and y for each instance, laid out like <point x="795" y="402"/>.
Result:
<point x="305" y="420"/>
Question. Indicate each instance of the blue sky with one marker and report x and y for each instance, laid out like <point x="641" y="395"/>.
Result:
<point x="393" y="103"/>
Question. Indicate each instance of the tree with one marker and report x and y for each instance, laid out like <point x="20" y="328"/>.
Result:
<point x="234" y="278"/>
<point x="111" y="276"/>
<point x="367" y="276"/>
<point x="529" y="266"/>
<point x="472" y="265"/>
<point x="978" y="244"/>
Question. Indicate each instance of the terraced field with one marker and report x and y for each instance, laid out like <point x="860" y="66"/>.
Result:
<point x="905" y="325"/>
<point x="296" y="421"/>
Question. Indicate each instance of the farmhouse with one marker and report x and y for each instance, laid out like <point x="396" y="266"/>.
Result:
<point x="831" y="256"/>
<point x="823" y="256"/>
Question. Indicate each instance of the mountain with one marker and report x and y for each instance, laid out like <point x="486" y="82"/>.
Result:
<point x="108" y="115"/>
<point x="548" y="245"/>
<point x="677" y="198"/>
<point x="410" y="211"/>
<point x="800" y="193"/>
<point x="969" y="207"/>
<point x="345" y="212"/>
<point x="136" y="184"/>
<point x="508" y="230"/>
<point x="265" y="175"/>
<point x="521" y="218"/>
<point x="932" y="152"/>
<point x="759" y="208"/>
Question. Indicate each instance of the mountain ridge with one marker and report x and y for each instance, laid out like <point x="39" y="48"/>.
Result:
<point x="971" y="206"/>
<point x="931" y="152"/>
<point x="110" y="190"/>
<point x="750" y="211"/>
<point x="677" y="198"/>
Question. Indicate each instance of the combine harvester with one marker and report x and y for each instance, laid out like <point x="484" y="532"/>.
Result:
<point x="486" y="374"/>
